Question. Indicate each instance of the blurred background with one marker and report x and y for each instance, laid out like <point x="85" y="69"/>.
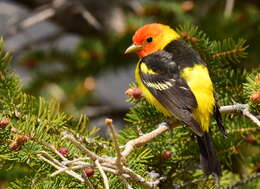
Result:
<point x="73" y="50"/>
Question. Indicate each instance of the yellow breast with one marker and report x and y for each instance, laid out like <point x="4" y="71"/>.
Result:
<point x="200" y="84"/>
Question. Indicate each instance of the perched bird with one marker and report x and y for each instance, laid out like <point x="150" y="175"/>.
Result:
<point x="174" y="78"/>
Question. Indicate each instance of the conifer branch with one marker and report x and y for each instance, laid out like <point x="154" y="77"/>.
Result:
<point x="103" y="164"/>
<point x="115" y="165"/>
<point x="229" y="52"/>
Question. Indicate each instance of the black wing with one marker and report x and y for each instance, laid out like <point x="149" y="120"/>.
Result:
<point x="217" y="116"/>
<point x="169" y="88"/>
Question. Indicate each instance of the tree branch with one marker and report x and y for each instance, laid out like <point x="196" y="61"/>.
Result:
<point x="109" y="124"/>
<point x="130" y="145"/>
<point x="247" y="113"/>
<point x="55" y="163"/>
<point x="240" y="108"/>
<point x="103" y="174"/>
<point x="233" y="108"/>
<point x="89" y="153"/>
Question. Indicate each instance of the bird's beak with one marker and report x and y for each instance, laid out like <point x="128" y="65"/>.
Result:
<point x="133" y="48"/>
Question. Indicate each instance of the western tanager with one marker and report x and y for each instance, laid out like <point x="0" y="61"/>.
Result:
<point x="174" y="78"/>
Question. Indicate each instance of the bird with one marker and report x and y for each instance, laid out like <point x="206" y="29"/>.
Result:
<point x="175" y="79"/>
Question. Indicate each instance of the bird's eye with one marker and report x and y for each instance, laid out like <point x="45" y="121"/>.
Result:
<point x="149" y="39"/>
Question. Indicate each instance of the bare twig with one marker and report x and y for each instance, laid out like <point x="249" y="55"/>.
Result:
<point x="55" y="163"/>
<point x="71" y="138"/>
<point x="119" y="160"/>
<point x="56" y="151"/>
<point x="233" y="108"/>
<point x="240" y="108"/>
<point x="48" y="161"/>
<point x="103" y="174"/>
<point x="130" y="145"/>
<point x="109" y="124"/>
<point x="75" y="161"/>
<point x="247" y="113"/>
<point x="61" y="170"/>
<point x="82" y="165"/>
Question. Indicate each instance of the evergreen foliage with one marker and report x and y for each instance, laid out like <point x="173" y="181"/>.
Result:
<point x="36" y="124"/>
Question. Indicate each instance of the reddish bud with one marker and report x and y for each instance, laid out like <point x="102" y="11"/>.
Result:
<point x="89" y="172"/>
<point x="135" y="93"/>
<point x="194" y="40"/>
<point x="185" y="36"/>
<point x="167" y="155"/>
<point x="250" y="139"/>
<point x="255" y="97"/>
<point x="14" y="146"/>
<point x="129" y="92"/>
<point x="257" y="168"/>
<point x="64" y="151"/>
<point x="4" y="123"/>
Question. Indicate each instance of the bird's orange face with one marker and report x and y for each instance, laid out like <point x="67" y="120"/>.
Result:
<point x="151" y="38"/>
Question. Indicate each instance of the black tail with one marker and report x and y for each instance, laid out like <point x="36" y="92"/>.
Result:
<point x="208" y="159"/>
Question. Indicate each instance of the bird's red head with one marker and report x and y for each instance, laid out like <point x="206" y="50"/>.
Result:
<point x="151" y="38"/>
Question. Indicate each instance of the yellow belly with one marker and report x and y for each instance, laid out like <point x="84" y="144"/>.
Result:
<point x="200" y="84"/>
